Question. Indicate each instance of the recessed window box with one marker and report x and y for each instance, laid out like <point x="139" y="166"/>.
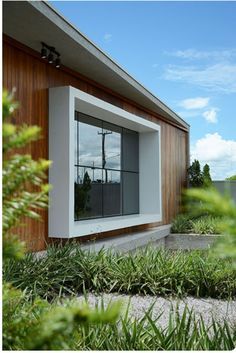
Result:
<point x="100" y="183"/>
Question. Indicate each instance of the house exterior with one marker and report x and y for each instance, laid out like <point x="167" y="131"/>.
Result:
<point x="120" y="155"/>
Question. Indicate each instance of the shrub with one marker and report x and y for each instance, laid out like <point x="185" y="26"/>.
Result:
<point x="181" y="224"/>
<point x="23" y="191"/>
<point x="205" y="225"/>
<point x="210" y="201"/>
<point x="31" y="324"/>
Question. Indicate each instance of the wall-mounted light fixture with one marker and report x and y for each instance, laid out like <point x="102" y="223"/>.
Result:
<point x="48" y="52"/>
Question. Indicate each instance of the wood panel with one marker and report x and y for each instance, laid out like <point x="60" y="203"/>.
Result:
<point x="25" y="71"/>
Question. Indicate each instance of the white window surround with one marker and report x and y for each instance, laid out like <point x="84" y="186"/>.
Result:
<point x="63" y="101"/>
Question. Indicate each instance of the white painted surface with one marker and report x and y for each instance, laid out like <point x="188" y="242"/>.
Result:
<point x="63" y="101"/>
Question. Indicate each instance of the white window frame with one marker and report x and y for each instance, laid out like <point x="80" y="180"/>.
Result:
<point x="63" y="101"/>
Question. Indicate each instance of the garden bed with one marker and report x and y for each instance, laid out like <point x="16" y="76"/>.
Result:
<point x="70" y="270"/>
<point x="173" y="282"/>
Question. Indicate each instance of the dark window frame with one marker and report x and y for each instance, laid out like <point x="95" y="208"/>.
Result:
<point x="122" y="171"/>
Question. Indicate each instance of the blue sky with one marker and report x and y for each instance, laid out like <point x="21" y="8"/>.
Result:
<point x="184" y="53"/>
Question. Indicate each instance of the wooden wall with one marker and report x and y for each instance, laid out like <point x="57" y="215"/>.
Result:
<point x="24" y="70"/>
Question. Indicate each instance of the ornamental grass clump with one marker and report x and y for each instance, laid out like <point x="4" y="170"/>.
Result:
<point x="69" y="270"/>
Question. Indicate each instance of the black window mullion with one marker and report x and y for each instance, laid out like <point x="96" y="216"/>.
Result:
<point x="121" y="171"/>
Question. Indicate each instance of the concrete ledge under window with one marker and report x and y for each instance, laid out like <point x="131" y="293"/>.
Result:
<point x="63" y="101"/>
<point x="99" y="225"/>
<point x="124" y="243"/>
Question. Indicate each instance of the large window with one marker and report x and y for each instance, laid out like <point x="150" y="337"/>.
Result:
<point x="106" y="169"/>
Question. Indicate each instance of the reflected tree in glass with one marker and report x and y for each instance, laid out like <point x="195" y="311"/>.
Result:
<point x="82" y="197"/>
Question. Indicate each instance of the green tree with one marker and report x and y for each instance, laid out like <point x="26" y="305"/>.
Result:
<point x="195" y="174"/>
<point x="27" y="323"/>
<point x="207" y="181"/>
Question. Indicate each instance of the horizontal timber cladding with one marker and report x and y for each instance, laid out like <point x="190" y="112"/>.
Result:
<point x="24" y="70"/>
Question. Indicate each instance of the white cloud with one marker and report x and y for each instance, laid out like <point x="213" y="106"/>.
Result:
<point x="193" y="54"/>
<point x="107" y="37"/>
<point x="188" y="114"/>
<point x="211" y="115"/>
<point x="194" y="103"/>
<point x="220" y="154"/>
<point x="219" y="77"/>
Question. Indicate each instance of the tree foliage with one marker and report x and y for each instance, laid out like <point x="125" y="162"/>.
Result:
<point x="195" y="174"/>
<point x="27" y="323"/>
<point x="210" y="201"/>
<point x="207" y="181"/>
<point x="197" y="177"/>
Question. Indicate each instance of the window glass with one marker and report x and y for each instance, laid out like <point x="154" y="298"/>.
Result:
<point x="112" y="146"/>
<point x="130" y="146"/>
<point x="76" y="156"/>
<point x="130" y="185"/>
<point x="88" y="193"/>
<point x="111" y="193"/>
<point x="90" y="141"/>
<point x="106" y="169"/>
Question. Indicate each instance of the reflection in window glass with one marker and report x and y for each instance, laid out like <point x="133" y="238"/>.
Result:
<point x="130" y="160"/>
<point x="88" y="193"/>
<point x="111" y="193"/>
<point x="112" y="146"/>
<point x="130" y="193"/>
<point x="90" y="141"/>
<point x="106" y="169"/>
<point x="76" y="158"/>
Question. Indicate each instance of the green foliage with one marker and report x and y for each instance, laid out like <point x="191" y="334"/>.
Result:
<point x="32" y="324"/>
<point x="69" y="271"/>
<point x="198" y="178"/>
<point x="212" y="202"/>
<point x="183" y="332"/>
<point x="185" y="223"/>
<point x="38" y="325"/>
<point x="181" y="224"/>
<point x="22" y="190"/>
<point x="195" y="174"/>
<point x="207" y="181"/>
<point x="233" y="177"/>
<point x="205" y="225"/>
<point x="51" y="327"/>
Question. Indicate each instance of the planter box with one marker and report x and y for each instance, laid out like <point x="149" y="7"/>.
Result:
<point x="189" y="241"/>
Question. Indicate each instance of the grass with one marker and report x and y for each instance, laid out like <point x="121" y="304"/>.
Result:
<point x="183" y="332"/>
<point x="68" y="270"/>
<point x="204" y="225"/>
<point x="201" y="225"/>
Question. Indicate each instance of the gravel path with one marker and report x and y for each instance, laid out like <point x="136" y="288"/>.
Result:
<point x="219" y="309"/>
